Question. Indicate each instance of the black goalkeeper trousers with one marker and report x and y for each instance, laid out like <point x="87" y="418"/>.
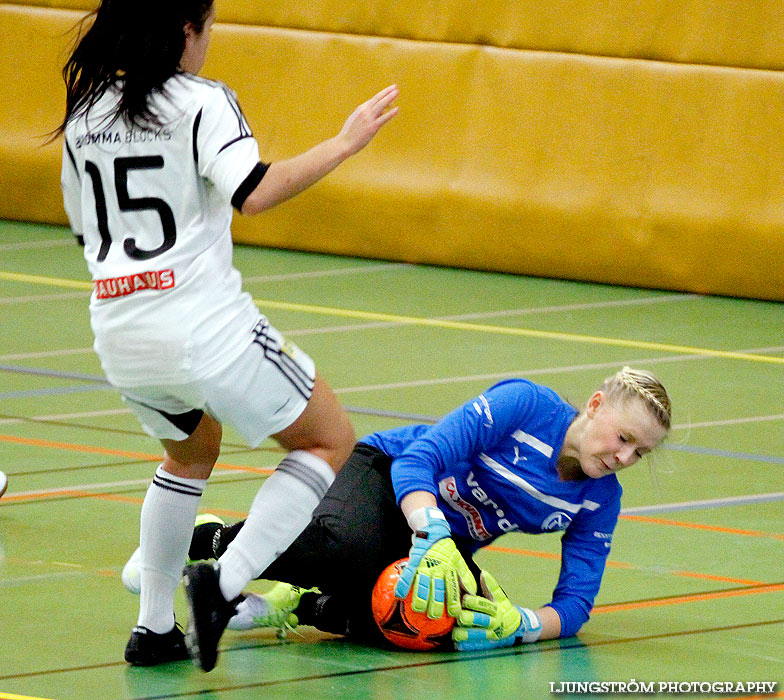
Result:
<point x="355" y="533"/>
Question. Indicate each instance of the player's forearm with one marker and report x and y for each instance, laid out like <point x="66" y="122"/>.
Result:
<point x="416" y="500"/>
<point x="551" y="623"/>
<point x="287" y="178"/>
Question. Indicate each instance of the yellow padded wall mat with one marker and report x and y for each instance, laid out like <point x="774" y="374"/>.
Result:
<point x="696" y="31"/>
<point x="631" y="172"/>
<point x="718" y="32"/>
<point x="32" y="50"/>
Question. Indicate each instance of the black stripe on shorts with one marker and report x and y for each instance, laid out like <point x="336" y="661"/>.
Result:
<point x="287" y="366"/>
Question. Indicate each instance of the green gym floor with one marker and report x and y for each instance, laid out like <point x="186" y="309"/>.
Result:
<point x="694" y="589"/>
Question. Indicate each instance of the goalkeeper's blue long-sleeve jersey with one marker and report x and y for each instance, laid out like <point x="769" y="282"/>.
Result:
<point x="491" y="464"/>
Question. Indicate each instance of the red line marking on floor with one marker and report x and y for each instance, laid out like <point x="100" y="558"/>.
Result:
<point x="699" y="526"/>
<point x="692" y="598"/>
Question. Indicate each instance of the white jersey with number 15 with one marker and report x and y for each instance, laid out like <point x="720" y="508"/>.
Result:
<point x="154" y="207"/>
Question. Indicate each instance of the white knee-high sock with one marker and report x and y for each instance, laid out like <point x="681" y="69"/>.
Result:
<point x="168" y="513"/>
<point x="280" y="511"/>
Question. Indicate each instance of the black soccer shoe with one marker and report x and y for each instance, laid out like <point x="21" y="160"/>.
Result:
<point x="148" y="648"/>
<point x="205" y="539"/>
<point x="210" y="612"/>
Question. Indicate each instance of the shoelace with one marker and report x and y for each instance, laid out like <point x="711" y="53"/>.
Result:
<point x="216" y="541"/>
<point x="283" y="631"/>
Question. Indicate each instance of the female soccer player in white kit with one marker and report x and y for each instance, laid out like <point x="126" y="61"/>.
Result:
<point x="153" y="161"/>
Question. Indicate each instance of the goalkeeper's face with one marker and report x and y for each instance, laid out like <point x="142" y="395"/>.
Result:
<point x="617" y="434"/>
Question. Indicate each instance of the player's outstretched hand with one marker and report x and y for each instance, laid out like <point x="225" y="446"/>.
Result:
<point x="490" y="621"/>
<point x="365" y="121"/>
<point x="435" y="570"/>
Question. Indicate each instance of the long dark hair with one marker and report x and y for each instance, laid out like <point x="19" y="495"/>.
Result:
<point x="136" y="44"/>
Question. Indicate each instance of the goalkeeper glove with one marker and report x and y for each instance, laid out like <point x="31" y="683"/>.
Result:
<point x="492" y="622"/>
<point x="435" y="569"/>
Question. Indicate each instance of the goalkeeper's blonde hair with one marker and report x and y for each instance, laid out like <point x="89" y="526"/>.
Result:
<point x="630" y="383"/>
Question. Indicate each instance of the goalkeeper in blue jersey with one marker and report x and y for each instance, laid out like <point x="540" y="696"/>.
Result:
<point x="517" y="458"/>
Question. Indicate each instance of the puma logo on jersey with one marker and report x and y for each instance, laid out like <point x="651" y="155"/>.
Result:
<point x="484" y="409"/>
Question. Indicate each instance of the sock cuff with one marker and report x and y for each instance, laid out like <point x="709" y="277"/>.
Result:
<point x="234" y="571"/>
<point x="179" y="484"/>
<point x="308" y="468"/>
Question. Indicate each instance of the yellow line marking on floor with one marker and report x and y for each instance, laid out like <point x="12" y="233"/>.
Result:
<point x="519" y="332"/>
<point x="450" y="325"/>
<point x="39" y="279"/>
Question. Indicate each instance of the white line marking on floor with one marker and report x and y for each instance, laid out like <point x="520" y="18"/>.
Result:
<point x="65" y="352"/>
<point x="37" y="298"/>
<point x="63" y="242"/>
<point x="316" y="274"/>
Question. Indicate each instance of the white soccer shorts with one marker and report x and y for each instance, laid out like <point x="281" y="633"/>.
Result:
<point x="259" y="394"/>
